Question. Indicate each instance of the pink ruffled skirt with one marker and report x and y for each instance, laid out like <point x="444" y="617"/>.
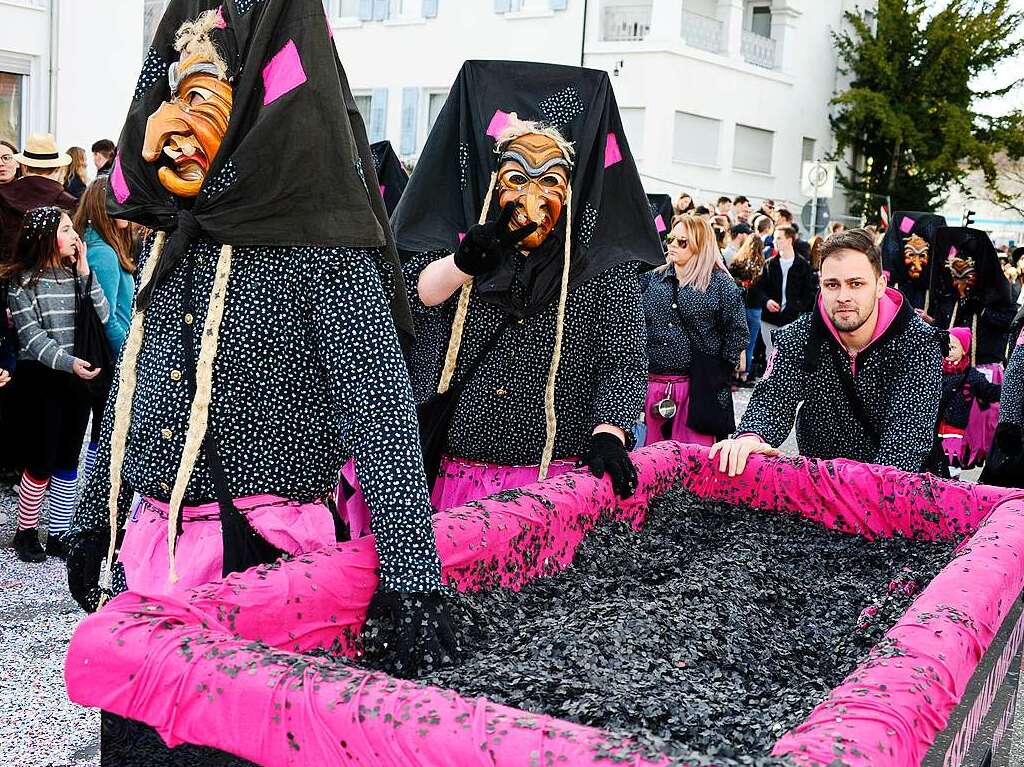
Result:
<point x="295" y="528"/>
<point x="981" y="424"/>
<point x="676" y="388"/>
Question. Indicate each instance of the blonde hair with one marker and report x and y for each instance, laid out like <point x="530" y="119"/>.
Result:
<point x="514" y="128"/>
<point x="193" y="37"/>
<point x="701" y="237"/>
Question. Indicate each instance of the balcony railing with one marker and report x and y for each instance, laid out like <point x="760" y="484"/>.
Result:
<point x="758" y="50"/>
<point x="626" y="22"/>
<point x="702" y="32"/>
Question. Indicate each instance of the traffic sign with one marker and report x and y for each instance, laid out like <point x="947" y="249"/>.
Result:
<point x="818" y="179"/>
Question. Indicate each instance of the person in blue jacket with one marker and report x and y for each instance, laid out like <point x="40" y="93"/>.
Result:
<point x="111" y="259"/>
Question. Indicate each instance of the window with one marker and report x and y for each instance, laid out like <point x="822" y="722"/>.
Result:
<point x="753" y="149"/>
<point x="633" y="127"/>
<point x="435" y="101"/>
<point x="152" y="13"/>
<point x="807" y="151"/>
<point x="342" y="9"/>
<point x="761" y="21"/>
<point x="363" y="102"/>
<point x="12" y="89"/>
<point x="696" y="139"/>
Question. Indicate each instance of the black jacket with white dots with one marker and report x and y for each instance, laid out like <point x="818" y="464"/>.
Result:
<point x="897" y="378"/>
<point x="499" y="419"/>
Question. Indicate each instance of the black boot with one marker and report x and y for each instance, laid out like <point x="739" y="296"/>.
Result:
<point x="26" y="546"/>
<point x="55" y="547"/>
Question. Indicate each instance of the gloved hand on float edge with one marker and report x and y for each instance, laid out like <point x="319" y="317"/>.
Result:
<point x="409" y="633"/>
<point x="86" y="551"/>
<point x="486" y="246"/>
<point x="607" y="454"/>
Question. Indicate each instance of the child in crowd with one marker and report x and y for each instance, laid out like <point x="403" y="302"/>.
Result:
<point x="49" y="265"/>
<point x="961" y="386"/>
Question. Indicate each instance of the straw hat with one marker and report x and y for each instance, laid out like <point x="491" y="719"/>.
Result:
<point x="41" y="152"/>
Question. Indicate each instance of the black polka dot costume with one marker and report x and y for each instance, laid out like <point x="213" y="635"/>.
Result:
<point x="1011" y="401"/>
<point x="898" y="379"/>
<point x="308" y="371"/>
<point x="602" y="377"/>
<point x="715" y="320"/>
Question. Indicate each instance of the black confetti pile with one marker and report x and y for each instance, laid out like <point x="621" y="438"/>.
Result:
<point x="712" y="631"/>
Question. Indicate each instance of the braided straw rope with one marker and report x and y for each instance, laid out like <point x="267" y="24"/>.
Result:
<point x="459" y="323"/>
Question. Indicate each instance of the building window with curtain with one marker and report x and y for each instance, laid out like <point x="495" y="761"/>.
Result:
<point x="342" y="9"/>
<point x="752" y="150"/>
<point x="695" y="139"/>
<point x="435" y="102"/>
<point x="12" y="90"/>
<point x="363" y="102"/>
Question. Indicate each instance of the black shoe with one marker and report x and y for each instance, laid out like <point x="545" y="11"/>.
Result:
<point x="55" y="547"/>
<point x="26" y="546"/>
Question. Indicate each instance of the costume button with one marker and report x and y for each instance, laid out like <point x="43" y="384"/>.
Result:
<point x="188" y="319"/>
<point x="165" y="487"/>
<point x="166" y="433"/>
<point x="520" y="322"/>
<point x="500" y="391"/>
<point x="675" y="306"/>
<point x="175" y="375"/>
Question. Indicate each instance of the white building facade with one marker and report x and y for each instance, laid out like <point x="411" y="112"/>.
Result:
<point x="68" y="67"/>
<point x="718" y="97"/>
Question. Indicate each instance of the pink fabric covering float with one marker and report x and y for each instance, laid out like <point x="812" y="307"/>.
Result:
<point x="205" y="668"/>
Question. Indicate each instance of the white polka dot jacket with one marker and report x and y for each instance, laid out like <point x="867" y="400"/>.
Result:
<point x="308" y="370"/>
<point x="715" y="320"/>
<point x="897" y="379"/>
<point x="1011" y="400"/>
<point x="499" y="417"/>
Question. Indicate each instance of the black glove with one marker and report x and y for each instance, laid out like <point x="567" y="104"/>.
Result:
<point x="86" y="551"/>
<point x="608" y="454"/>
<point x="486" y="246"/>
<point x="409" y="633"/>
<point x="1008" y="438"/>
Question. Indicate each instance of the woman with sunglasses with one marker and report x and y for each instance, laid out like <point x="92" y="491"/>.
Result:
<point x="696" y="331"/>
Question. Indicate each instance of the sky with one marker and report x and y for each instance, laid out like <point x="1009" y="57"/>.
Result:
<point x="1010" y="71"/>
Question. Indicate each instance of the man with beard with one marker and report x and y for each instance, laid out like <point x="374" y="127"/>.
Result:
<point x="262" y="353"/>
<point x="865" y="367"/>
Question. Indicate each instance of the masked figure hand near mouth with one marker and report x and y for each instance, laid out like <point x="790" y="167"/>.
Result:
<point x="530" y="355"/>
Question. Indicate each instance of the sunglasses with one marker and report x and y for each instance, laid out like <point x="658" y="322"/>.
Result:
<point x="671" y="240"/>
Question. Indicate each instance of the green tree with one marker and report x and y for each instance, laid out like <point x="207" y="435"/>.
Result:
<point x="910" y="113"/>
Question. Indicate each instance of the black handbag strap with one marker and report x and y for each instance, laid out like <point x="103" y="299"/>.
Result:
<point x="217" y="474"/>
<point x="857" y="406"/>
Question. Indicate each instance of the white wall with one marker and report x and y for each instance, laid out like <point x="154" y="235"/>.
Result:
<point x="97" y="61"/>
<point x="100" y="56"/>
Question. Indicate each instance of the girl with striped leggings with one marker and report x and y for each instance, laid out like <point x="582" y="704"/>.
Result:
<point x="49" y="260"/>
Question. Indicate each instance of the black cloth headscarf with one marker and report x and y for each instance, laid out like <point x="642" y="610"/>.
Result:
<point x="991" y="289"/>
<point x="611" y="220"/>
<point x="662" y="211"/>
<point x="390" y="173"/>
<point x="295" y="166"/>
<point x="904" y="224"/>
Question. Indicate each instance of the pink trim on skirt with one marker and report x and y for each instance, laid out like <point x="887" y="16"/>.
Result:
<point x="981" y="424"/>
<point x="657" y="390"/>
<point x="351" y="503"/>
<point x="293" y="527"/>
<point x="460" y="481"/>
<point x="128" y="658"/>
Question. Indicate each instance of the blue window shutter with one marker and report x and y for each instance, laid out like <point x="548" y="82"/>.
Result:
<point x="410" y="120"/>
<point x="366" y="10"/>
<point x="380" y="10"/>
<point x="429" y="9"/>
<point x="559" y="5"/>
<point x="502" y="6"/>
<point x="378" y="114"/>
